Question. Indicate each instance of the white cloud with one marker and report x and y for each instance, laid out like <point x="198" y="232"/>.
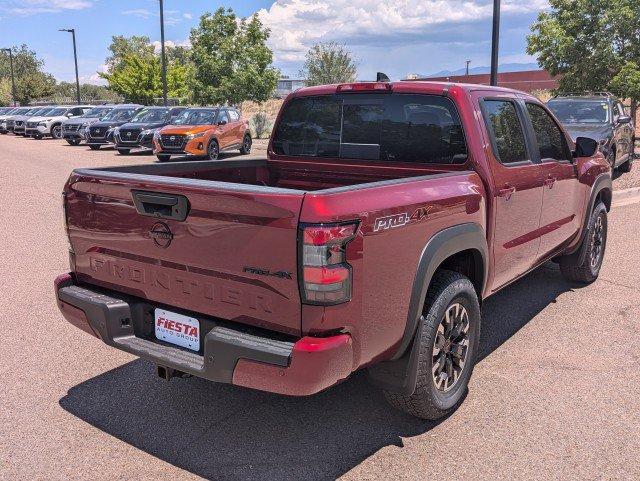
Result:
<point x="139" y="12"/>
<point x="171" y="17"/>
<point x="32" y="7"/>
<point x="297" y="24"/>
<point x="170" y="43"/>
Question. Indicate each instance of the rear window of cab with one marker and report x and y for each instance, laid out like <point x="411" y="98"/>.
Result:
<point x="380" y="127"/>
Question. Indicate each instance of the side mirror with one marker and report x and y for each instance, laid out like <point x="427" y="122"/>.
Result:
<point x="623" y="119"/>
<point x="222" y="122"/>
<point x="69" y="114"/>
<point x="585" y="147"/>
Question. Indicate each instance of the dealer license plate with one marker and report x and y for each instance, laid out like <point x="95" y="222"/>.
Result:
<point x="178" y="329"/>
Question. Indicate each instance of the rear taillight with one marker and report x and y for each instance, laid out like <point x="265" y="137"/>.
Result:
<point x="325" y="273"/>
<point x="65" y="220"/>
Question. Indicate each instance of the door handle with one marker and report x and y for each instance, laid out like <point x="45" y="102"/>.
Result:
<point x="550" y="181"/>
<point x="507" y="191"/>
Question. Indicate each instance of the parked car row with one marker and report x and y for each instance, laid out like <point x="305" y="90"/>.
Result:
<point x="167" y="131"/>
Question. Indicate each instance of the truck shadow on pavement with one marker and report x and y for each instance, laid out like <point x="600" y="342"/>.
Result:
<point x="225" y="432"/>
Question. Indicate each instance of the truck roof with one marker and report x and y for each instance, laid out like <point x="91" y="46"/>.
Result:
<point x="404" y="86"/>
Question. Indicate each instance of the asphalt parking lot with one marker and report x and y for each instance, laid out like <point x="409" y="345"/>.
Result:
<point x="554" y="395"/>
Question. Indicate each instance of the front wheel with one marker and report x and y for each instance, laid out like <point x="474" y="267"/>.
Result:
<point x="73" y="142"/>
<point x="56" y="131"/>
<point x="596" y="238"/>
<point x="246" y="145"/>
<point x="448" y="338"/>
<point x="213" y="150"/>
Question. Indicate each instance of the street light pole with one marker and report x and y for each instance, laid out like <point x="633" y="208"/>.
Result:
<point x="75" y="58"/>
<point x="495" y="41"/>
<point x="467" y="68"/>
<point x="162" y="54"/>
<point x="13" y="80"/>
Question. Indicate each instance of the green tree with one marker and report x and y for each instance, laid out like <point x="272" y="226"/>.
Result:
<point x="329" y="63"/>
<point x="65" y="92"/>
<point x="231" y="61"/>
<point x="5" y="92"/>
<point x="121" y="46"/>
<point x="134" y="70"/>
<point x="591" y="45"/>
<point x="31" y="81"/>
<point x="139" y="79"/>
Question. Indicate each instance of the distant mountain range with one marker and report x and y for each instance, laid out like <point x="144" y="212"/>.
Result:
<point x="505" y="67"/>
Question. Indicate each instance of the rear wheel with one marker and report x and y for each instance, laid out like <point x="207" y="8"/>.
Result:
<point x="56" y="131"/>
<point x="163" y="157"/>
<point x="73" y="141"/>
<point x="596" y="239"/>
<point x="448" y="340"/>
<point x="38" y="136"/>
<point x="94" y="147"/>
<point x="213" y="150"/>
<point x="124" y="151"/>
<point x="246" y="145"/>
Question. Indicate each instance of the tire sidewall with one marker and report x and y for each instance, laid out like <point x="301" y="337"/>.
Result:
<point x="209" y="153"/>
<point x="599" y="210"/>
<point x="461" y="291"/>
<point x="58" y="129"/>
<point x="246" y="144"/>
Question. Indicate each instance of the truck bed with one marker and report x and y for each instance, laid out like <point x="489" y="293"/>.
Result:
<point x="296" y="176"/>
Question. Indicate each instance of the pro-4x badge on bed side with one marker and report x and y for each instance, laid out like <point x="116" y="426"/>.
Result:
<point x="399" y="220"/>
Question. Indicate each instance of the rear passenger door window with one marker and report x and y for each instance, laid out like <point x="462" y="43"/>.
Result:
<point x="505" y="129"/>
<point x="233" y="115"/>
<point x="550" y="139"/>
<point x="223" y="117"/>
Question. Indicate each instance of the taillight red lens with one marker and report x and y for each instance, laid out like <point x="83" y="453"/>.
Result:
<point x="325" y="234"/>
<point x="326" y="276"/>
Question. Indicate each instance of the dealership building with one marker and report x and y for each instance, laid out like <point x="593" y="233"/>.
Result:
<point x="527" y="81"/>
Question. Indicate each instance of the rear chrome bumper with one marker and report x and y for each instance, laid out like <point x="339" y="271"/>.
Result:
<point x="228" y="354"/>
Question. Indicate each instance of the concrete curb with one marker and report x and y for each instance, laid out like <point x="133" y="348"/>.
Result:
<point x="626" y="197"/>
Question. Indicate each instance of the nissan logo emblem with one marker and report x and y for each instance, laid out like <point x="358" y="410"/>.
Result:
<point x="173" y="137"/>
<point x="128" y="134"/>
<point x="161" y="234"/>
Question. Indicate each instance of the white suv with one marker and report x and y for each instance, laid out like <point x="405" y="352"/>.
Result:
<point x="51" y="122"/>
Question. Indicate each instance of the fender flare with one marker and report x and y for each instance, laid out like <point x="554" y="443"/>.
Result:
<point x="399" y="373"/>
<point x="602" y="183"/>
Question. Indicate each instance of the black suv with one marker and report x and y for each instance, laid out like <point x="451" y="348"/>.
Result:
<point x="601" y="117"/>
<point x="101" y="132"/>
<point x="139" y="132"/>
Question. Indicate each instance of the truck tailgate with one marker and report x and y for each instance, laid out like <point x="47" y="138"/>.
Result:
<point x="234" y="256"/>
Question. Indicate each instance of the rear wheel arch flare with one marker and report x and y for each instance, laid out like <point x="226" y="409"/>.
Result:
<point x="457" y="246"/>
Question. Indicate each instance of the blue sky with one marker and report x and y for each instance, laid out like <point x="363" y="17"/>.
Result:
<point x="395" y="36"/>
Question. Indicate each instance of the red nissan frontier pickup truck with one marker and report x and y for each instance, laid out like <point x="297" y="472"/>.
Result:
<point x="383" y="216"/>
